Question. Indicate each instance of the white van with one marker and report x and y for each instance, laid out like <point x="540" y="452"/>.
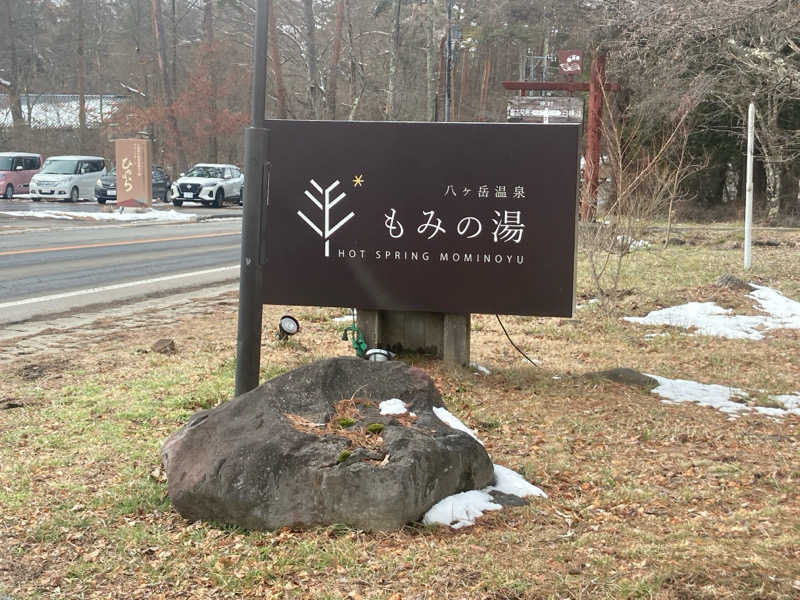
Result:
<point x="67" y="177"/>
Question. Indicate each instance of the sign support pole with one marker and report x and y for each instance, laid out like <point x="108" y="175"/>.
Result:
<point x="248" y="333"/>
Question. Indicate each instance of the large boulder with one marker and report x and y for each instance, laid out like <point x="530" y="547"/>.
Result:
<point x="311" y="447"/>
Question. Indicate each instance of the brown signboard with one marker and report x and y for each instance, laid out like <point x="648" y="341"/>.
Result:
<point x="442" y="217"/>
<point x="133" y="168"/>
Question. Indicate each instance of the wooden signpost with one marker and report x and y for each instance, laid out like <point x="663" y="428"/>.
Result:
<point x="597" y="86"/>
<point x="134" y="173"/>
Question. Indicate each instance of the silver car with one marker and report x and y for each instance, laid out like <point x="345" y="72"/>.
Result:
<point x="210" y="183"/>
<point x="67" y="178"/>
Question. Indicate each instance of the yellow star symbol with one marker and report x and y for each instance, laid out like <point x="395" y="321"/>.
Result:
<point x="358" y="180"/>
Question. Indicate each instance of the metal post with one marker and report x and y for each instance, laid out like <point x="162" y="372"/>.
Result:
<point x="248" y="332"/>
<point x="748" y="196"/>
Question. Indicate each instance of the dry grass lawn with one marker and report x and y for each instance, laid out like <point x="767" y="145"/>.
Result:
<point x="646" y="500"/>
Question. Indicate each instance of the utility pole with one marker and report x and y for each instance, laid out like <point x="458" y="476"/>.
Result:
<point x="248" y="331"/>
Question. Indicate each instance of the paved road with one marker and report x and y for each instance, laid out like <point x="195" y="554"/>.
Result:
<point x="53" y="265"/>
<point x="20" y="212"/>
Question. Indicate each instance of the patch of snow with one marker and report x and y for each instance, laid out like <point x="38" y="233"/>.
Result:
<point x="721" y="397"/>
<point x="632" y="244"/>
<point x="706" y="317"/>
<point x="650" y="336"/>
<point x="675" y="391"/>
<point x="480" y="368"/>
<point x="343" y="318"/>
<point x="448" y="418"/>
<point x="776" y="304"/>
<point x="710" y="319"/>
<point x="790" y="401"/>
<point x="511" y="482"/>
<point x="49" y="214"/>
<point x="771" y="411"/>
<point x="128" y="215"/>
<point x="461" y="510"/>
<point x="393" y="406"/>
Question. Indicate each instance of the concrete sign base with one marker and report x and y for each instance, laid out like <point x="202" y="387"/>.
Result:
<point x="442" y="335"/>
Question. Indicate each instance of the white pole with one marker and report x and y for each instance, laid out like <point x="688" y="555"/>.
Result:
<point x="748" y="195"/>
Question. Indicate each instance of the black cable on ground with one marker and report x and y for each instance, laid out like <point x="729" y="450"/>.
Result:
<point x="517" y="348"/>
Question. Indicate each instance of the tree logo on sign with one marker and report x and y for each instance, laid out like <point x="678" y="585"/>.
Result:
<point x="324" y="202"/>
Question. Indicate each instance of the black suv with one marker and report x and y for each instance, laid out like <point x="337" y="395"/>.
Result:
<point x="105" y="188"/>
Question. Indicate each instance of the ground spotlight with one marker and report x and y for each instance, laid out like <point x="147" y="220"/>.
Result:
<point x="378" y="355"/>
<point x="287" y="326"/>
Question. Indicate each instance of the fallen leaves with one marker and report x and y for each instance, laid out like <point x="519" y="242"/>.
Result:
<point x="670" y="501"/>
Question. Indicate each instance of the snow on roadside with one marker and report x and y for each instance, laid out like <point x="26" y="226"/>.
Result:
<point x="49" y="214"/>
<point x="729" y="400"/>
<point x="128" y="215"/>
<point x="707" y="318"/>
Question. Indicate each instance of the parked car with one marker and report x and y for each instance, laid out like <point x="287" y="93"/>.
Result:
<point x="65" y="177"/>
<point x="209" y="183"/>
<point x="16" y="170"/>
<point x="105" y="188"/>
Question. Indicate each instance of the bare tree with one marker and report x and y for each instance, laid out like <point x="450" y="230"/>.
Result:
<point x="645" y="175"/>
<point x="358" y="82"/>
<point x="391" y="85"/>
<point x="208" y="29"/>
<point x="12" y="83"/>
<point x="282" y="111"/>
<point x="311" y="58"/>
<point x="161" y="46"/>
<point x="81" y="77"/>
<point x="333" y="71"/>
<point x="720" y="53"/>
